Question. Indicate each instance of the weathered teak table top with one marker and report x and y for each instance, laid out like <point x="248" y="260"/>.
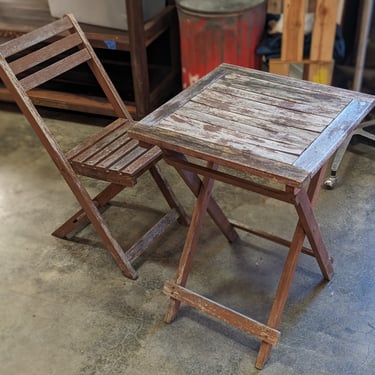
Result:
<point x="281" y="129"/>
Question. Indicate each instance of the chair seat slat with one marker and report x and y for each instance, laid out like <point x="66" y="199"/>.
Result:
<point x="54" y="70"/>
<point x="101" y="144"/>
<point x="113" y="152"/>
<point x="124" y="166"/>
<point x="34" y="37"/>
<point x="128" y="159"/>
<point x="96" y="137"/>
<point x="45" y="53"/>
<point x="120" y="165"/>
<point x="138" y="166"/>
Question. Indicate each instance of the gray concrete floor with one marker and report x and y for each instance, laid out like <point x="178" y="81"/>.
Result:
<point x="66" y="308"/>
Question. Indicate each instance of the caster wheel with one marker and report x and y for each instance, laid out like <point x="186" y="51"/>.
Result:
<point x="331" y="182"/>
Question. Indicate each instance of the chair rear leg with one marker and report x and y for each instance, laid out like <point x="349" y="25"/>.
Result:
<point x="100" y="203"/>
<point x="169" y="195"/>
<point x="176" y="213"/>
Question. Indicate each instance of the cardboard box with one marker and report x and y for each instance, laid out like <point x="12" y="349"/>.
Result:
<point x="107" y="13"/>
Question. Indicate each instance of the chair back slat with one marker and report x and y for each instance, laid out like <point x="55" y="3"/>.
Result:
<point x="34" y="37"/>
<point x="112" y="127"/>
<point x="44" y="54"/>
<point x="54" y="70"/>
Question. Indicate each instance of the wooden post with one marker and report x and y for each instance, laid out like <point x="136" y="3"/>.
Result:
<point x="321" y="66"/>
<point x="293" y="30"/>
<point x="274" y="6"/>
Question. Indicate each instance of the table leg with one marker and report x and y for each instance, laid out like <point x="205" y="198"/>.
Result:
<point x="305" y="212"/>
<point x="282" y="292"/>
<point x="190" y="244"/>
<point x="194" y="183"/>
<point x="306" y="226"/>
<point x="311" y="229"/>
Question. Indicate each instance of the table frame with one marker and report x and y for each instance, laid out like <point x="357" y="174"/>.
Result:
<point x="303" y="201"/>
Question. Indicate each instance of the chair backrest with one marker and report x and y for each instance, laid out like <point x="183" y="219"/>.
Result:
<point x="47" y="52"/>
<point x="43" y="54"/>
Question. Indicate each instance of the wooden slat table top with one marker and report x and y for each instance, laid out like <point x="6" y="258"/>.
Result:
<point x="257" y="122"/>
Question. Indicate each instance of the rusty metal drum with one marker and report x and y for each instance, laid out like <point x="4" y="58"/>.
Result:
<point x="216" y="31"/>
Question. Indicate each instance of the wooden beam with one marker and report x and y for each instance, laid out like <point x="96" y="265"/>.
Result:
<point x="293" y="30"/>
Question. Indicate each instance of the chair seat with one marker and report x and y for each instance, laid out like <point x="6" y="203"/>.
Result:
<point x="111" y="155"/>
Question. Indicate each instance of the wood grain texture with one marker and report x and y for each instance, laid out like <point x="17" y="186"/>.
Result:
<point x="256" y="122"/>
<point x="323" y="36"/>
<point x="293" y="30"/>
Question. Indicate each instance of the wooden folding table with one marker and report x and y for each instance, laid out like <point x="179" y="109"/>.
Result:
<point x="244" y="123"/>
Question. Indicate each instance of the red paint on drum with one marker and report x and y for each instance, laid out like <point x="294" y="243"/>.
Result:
<point x="208" y="39"/>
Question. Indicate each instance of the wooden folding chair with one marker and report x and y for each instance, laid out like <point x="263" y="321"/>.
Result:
<point x="111" y="155"/>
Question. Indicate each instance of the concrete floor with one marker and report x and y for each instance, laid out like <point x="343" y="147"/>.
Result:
<point x="66" y="308"/>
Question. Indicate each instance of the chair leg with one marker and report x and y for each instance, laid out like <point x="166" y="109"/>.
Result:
<point x="153" y="233"/>
<point x="79" y="220"/>
<point x="94" y="216"/>
<point x="169" y="195"/>
<point x="124" y="258"/>
<point x="176" y="213"/>
<point x="91" y="213"/>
